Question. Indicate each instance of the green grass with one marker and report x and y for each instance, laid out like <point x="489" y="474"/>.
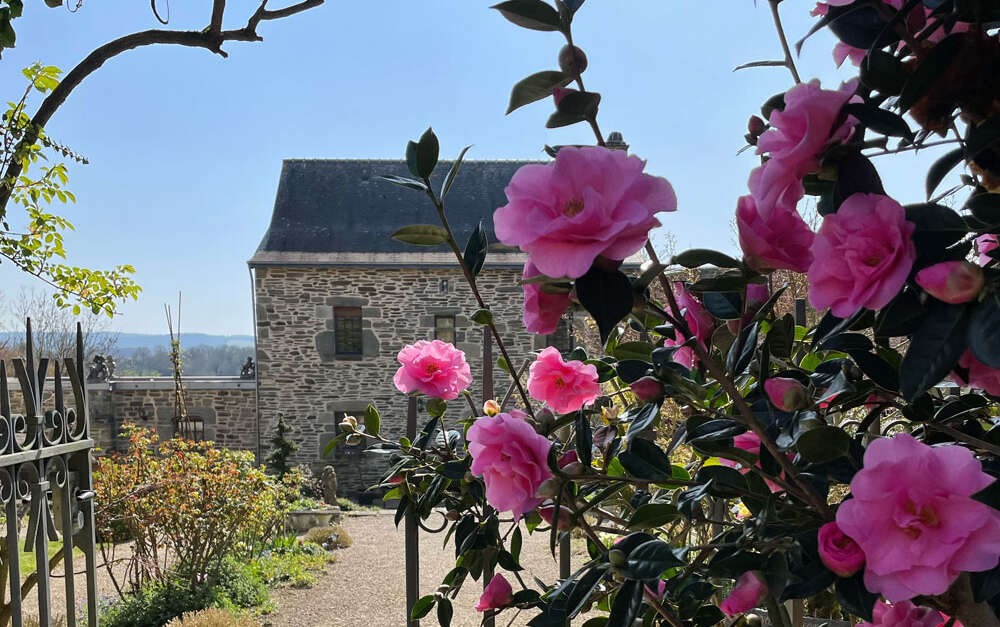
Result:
<point x="27" y="560"/>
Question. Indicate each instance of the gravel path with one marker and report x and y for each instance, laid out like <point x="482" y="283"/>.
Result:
<point x="366" y="586"/>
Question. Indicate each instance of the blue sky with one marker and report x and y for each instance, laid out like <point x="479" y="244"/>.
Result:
<point x="185" y="147"/>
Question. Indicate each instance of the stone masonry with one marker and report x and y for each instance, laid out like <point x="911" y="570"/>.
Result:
<point x="300" y="377"/>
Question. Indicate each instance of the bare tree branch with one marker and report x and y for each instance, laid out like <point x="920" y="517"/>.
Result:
<point x="211" y="38"/>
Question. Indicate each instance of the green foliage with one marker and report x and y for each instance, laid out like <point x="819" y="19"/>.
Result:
<point x="214" y="617"/>
<point x="37" y="247"/>
<point x="290" y="560"/>
<point x="281" y="448"/>
<point x="230" y="585"/>
<point x="9" y="11"/>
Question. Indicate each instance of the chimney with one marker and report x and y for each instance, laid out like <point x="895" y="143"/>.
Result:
<point x="615" y="141"/>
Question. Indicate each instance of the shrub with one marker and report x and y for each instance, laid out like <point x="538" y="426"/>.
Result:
<point x="189" y="500"/>
<point x="290" y="560"/>
<point x="231" y="586"/>
<point x="214" y="617"/>
<point x="334" y="537"/>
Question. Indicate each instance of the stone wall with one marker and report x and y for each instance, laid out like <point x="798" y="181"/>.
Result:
<point x="302" y="378"/>
<point x="226" y="405"/>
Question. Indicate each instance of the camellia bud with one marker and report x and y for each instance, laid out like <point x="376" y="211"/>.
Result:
<point x="548" y="489"/>
<point x="568" y="458"/>
<point x="491" y="407"/>
<point x="786" y="394"/>
<point x="648" y="389"/>
<point x="451" y="515"/>
<point x="352" y="420"/>
<point x="572" y="60"/>
<point x="574" y="469"/>
<point x="354" y="439"/>
<point x="953" y="282"/>
<point x="617" y="557"/>
<point x="346" y="427"/>
<point x="756" y="126"/>
<point x="548" y="513"/>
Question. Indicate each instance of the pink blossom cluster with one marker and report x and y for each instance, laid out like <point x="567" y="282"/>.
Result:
<point x="590" y="202"/>
<point x="435" y="368"/>
<point x="566" y="386"/>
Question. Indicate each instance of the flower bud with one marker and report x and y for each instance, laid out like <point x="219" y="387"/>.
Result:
<point x="648" y="389"/>
<point x="548" y="489"/>
<point x="568" y="458"/>
<point x="786" y="394"/>
<point x="491" y="407"/>
<point x="572" y="60"/>
<point x="346" y="427"/>
<point x="756" y="126"/>
<point x="839" y="553"/>
<point x="559" y="93"/>
<point x="617" y="557"/>
<point x="451" y="515"/>
<point x="548" y="513"/>
<point x="574" y="469"/>
<point x="953" y="282"/>
<point x="352" y="420"/>
<point x="354" y="439"/>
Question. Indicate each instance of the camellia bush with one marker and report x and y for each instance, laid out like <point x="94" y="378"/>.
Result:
<point x="857" y="456"/>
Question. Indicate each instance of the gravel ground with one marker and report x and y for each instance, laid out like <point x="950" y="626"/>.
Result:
<point x="366" y="586"/>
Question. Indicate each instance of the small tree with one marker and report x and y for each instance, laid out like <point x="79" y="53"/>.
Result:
<point x="281" y="448"/>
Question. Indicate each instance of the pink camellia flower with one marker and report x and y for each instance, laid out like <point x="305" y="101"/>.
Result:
<point x="786" y="394"/>
<point x="661" y="589"/>
<point x="980" y="376"/>
<point x="568" y="458"/>
<point x="774" y="186"/>
<point x="913" y="517"/>
<point x="749" y="442"/>
<point x="773" y="240"/>
<point x="565" y="385"/>
<point x="496" y="595"/>
<point x="747" y="594"/>
<point x="839" y="553"/>
<point x="648" y="389"/>
<point x="952" y="281"/>
<point x="757" y="295"/>
<point x="511" y="458"/>
<point x="434" y="368"/>
<point x="542" y="310"/>
<point x="548" y="513"/>
<point x="683" y="355"/>
<point x="590" y="201"/>
<point x="805" y="128"/>
<point x="699" y="321"/>
<point x="984" y="244"/>
<point x="902" y="614"/>
<point x="861" y="255"/>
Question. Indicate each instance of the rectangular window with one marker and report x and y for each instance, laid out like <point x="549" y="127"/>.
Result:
<point x="562" y="339"/>
<point x="190" y="428"/>
<point x="444" y="328"/>
<point x="347" y="330"/>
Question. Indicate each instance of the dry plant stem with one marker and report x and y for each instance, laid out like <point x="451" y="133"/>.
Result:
<point x="662" y="611"/>
<point x="471" y="280"/>
<point x="211" y="38"/>
<point x="592" y="120"/>
<point x="808" y="494"/>
<point x="963" y="437"/>
<point x="789" y="59"/>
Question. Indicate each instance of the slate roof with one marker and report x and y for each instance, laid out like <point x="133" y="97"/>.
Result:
<point x="340" y="206"/>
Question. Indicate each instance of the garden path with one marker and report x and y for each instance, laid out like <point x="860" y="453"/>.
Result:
<point x="366" y="586"/>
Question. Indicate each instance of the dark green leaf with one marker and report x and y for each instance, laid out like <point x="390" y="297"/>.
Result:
<point x="860" y="26"/>
<point x="855" y="175"/>
<point x="653" y="515"/>
<point x="445" y="612"/>
<point x="630" y="370"/>
<point x="854" y="597"/>
<point x="990" y="495"/>
<point x="983" y="136"/>
<point x="422" y="607"/>
<point x="986" y="207"/>
<point x="883" y="72"/>
<point x="515" y="544"/>
<point x="454" y="470"/>
<point x="584" y="439"/>
<point x="823" y="444"/>
<point x="931" y="68"/>
<point x="536" y="87"/>
<point x="879" y="120"/>
<point x="984" y="330"/>
<point x="627" y="604"/>
<point x="641" y="419"/>
<point x="743" y="349"/>
<point x="781" y="336"/>
<point x="940" y="168"/>
<point x="846" y="342"/>
<point x="475" y="250"/>
<point x="697" y="257"/>
<point x="934" y="349"/>
<point x="427" y="154"/>
<point x="421" y="235"/>
<point x="645" y="460"/>
<point x="726" y="482"/>
<point x="532" y="14"/>
<point x="575" y="106"/>
<point x="634" y="350"/>
<point x="483" y="316"/>
<point x="404" y="182"/>
<point x="453" y="172"/>
<point x="649" y="560"/>
<point x="427" y="431"/>
<point x="607" y="296"/>
<point x="723" y="305"/>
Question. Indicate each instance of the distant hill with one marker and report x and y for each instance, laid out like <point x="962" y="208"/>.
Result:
<point x="127" y="343"/>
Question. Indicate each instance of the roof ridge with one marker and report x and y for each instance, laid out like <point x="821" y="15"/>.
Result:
<point x="388" y="160"/>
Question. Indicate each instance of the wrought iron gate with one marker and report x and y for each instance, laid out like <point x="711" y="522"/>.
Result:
<point x="45" y="465"/>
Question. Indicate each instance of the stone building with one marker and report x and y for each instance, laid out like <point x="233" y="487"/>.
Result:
<point x="336" y="297"/>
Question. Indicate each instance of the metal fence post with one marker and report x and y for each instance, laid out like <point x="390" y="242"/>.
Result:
<point x="796" y="609"/>
<point x="488" y="393"/>
<point x="411" y="538"/>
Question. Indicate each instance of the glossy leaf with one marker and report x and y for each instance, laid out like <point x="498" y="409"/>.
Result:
<point x="531" y="14"/>
<point x="422" y="607"/>
<point x="929" y="71"/>
<point x="607" y="297"/>
<point x="584" y="439"/>
<point x="984" y="330"/>
<point x="645" y="460"/>
<point x="879" y="120"/>
<point x="697" y="257"/>
<point x="373" y="420"/>
<point x="649" y="560"/>
<point x="475" y="250"/>
<point x="404" y="182"/>
<point x="421" y="235"/>
<point x="628" y="602"/>
<point x="823" y="444"/>
<point x="449" y="179"/>
<point x="536" y="87"/>
<point x="934" y="349"/>
<point x="940" y="168"/>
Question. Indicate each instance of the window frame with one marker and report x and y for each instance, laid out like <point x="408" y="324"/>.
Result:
<point x="197" y="431"/>
<point x="438" y="327"/>
<point x="342" y="316"/>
